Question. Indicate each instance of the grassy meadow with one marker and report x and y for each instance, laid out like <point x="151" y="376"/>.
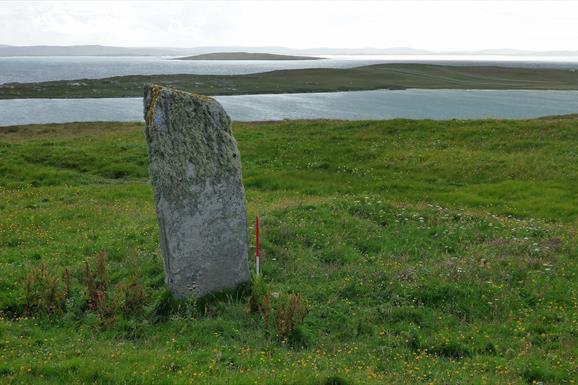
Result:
<point x="373" y="77"/>
<point x="425" y="252"/>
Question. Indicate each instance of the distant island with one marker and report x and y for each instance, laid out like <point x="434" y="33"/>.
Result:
<point x="246" y="56"/>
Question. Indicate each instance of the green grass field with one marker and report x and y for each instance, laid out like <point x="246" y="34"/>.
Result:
<point x="427" y="252"/>
<point x="381" y="76"/>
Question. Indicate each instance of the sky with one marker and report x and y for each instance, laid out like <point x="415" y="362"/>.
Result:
<point x="430" y="25"/>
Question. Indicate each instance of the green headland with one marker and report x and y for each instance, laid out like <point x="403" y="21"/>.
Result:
<point x="382" y="76"/>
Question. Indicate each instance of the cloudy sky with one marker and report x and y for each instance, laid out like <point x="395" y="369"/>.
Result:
<point x="432" y="25"/>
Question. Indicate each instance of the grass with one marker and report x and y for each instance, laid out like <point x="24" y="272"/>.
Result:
<point x="381" y="76"/>
<point x="426" y="252"/>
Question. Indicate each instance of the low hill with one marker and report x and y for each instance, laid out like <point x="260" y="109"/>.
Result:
<point x="86" y="50"/>
<point x="246" y="56"/>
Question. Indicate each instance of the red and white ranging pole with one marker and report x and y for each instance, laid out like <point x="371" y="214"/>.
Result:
<point x="257" y="247"/>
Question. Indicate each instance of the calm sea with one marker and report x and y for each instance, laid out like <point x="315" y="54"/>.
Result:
<point x="355" y="105"/>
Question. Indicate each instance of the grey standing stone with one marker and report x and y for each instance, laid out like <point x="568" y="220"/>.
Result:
<point x="195" y="169"/>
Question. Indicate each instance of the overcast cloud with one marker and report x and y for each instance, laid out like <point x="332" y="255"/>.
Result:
<point x="431" y="25"/>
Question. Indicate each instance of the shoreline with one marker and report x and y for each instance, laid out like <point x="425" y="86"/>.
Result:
<point x="571" y="116"/>
<point x="320" y="93"/>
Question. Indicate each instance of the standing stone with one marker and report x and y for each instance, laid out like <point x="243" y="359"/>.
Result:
<point x="200" y="200"/>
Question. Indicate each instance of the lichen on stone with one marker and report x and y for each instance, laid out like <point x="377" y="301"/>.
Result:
<point x="212" y="152"/>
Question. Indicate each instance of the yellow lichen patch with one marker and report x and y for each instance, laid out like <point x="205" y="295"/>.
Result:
<point x="202" y="97"/>
<point x="155" y="94"/>
<point x="198" y="96"/>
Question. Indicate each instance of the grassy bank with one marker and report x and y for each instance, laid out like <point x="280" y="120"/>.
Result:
<point x="425" y="251"/>
<point x="382" y="76"/>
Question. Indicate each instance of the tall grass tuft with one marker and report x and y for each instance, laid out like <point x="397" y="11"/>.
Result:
<point x="283" y="315"/>
<point x="96" y="283"/>
<point x="45" y="294"/>
<point x="129" y="297"/>
<point x="289" y="315"/>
